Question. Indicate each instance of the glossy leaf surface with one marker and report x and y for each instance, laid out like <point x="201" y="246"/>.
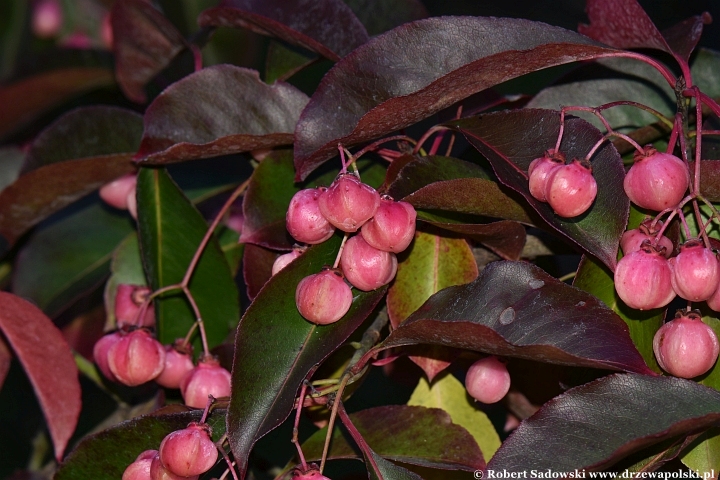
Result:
<point x="171" y="230"/>
<point x="614" y="422"/>
<point x="236" y="112"/>
<point x="339" y="32"/>
<point x="515" y="309"/>
<point x="257" y="268"/>
<point x="452" y="447"/>
<point x="511" y="140"/>
<point x="381" y="469"/>
<point x="393" y="93"/>
<point x="276" y="349"/>
<point x="48" y="363"/>
<point x="505" y="238"/>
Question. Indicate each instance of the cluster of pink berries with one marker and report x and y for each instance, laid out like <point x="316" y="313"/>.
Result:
<point x="367" y="260"/>
<point x="132" y="356"/>
<point x="569" y="188"/>
<point x="183" y="454"/>
<point x="488" y="380"/>
<point x="120" y="193"/>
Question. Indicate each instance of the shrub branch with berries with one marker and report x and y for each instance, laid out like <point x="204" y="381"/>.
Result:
<point x="357" y="241"/>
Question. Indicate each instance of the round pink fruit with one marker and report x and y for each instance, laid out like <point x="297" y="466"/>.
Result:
<point x="159" y="472"/>
<point x="190" y="451"/>
<point x="324" y="297"/>
<point x="487" y="380"/>
<point x="348" y="203"/>
<point x="116" y="192"/>
<point x="47" y="18"/>
<point x="686" y="347"/>
<point x="696" y="272"/>
<point x="393" y="226"/>
<point x="128" y="300"/>
<point x="538" y="173"/>
<point x="571" y="189"/>
<point x="643" y="279"/>
<point x="100" y="354"/>
<point x="303" y="219"/>
<point x="656" y="180"/>
<point x="178" y="362"/>
<point x="136" y="358"/>
<point x="632" y="240"/>
<point x="140" y="468"/>
<point x="207" y="378"/>
<point x="284" y="260"/>
<point x="366" y="267"/>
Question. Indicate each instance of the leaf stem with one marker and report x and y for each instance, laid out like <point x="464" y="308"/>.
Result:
<point x="331" y="421"/>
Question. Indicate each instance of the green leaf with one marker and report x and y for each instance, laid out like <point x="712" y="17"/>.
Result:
<point x="703" y="454"/>
<point x="381" y="469"/>
<point x="449" y="394"/>
<point x="283" y="62"/>
<point x="126" y="268"/>
<point x="171" y="230"/>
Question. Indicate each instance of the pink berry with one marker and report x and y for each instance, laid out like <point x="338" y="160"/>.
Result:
<point x="632" y="240"/>
<point x="128" y="300"/>
<point x="140" y="468"/>
<point x="284" y="260"/>
<point x="366" y="267"/>
<point x="178" y="362"/>
<point x="393" y="226"/>
<point x="116" y="192"/>
<point x="190" y="451"/>
<point x="303" y="219"/>
<point x="571" y="189"/>
<point x="487" y="380"/>
<point x="100" y="354"/>
<point x="696" y="272"/>
<point x="77" y="40"/>
<point x="686" y="347"/>
<point x="207" y="378"/>
<point x="136" y="358"/>
<point x="539" y="171"/>
<point x="312" y="473"/>
<point x="656" y="180"/>
<point x="132" y="203"/>
<point x="348" y="203"/>
<point x="324" y="297"/>
<point x="106" y="31"/>
<point x="47" y="18"/>
<point x="643" y="279"/>
<point x="159" y="472"/>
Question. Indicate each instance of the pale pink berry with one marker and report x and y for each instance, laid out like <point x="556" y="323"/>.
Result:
<point x="132" y="203"/>
<point x="539" y="171"/>
<point x="116" y="192"/>
<point x="140" y="468"/>
<point x="304" y="221"/>
<point x="643" y="279"/>
<point x="571" y="189"/>
<point x="366" y="267"/>
<point x="312" y="473"/>
<point x="207" y="378"/>
<point x="656" y="180"/>
<point x="686" y="347"/>
<point x="159" y="472"/>
<point x="284" y="260"/>
<point x="136" y="358"/>
<point x="348" y="203"/>
<point x="487" y="380"/>
<point x="47" y="18"/>
<point x="100" y="354"/>
<point x="324" y="297"/>
<point x="714" y="301"/>
<point x="190" y="451"/>
<point x="178" y="362"/>
<point x="128" y="300"/>
<point x="696" y="272"/>
<point x="393" y="226"/>
<point x="106" y="31"/>
<point x="632" y="240"/>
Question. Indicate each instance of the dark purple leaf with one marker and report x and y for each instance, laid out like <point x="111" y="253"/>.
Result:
<point x="511" y="140"/>
<point x="515" y="309"/>
<point x="257" y="268"/>
<point x="338" y="33"/>
<point x="5" y="359"/>
<point x="684" y="36"/>
<point x="48" y="363"/>
<point x="144" y="44"/>
<point x="45" y="91"/>
<point x="85" y="148"/>
<point x="218" y="111"/>
<point x="276" y="349"/>
<point x="709" y="179"/>
<point x="505" y="238"/>
<point x="396" y="80"/>
<point x="379" y="16"/>
<point x="604" y="421"/>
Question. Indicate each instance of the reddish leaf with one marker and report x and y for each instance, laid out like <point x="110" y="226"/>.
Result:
<point x="235" y="112"/>
<point x="621" y="414"/>
<point x="45" y="91"/>
<point x="257" y="268"/>
<point x="48" y="363"/>
<point x="709" y="179"/>
<point x="515" y="309"/>
<point x="86" y="148"/>
<point x="395" y="79"/>
<point x="511" y="140"/>
<point x="296" y="22"/>
<point x="5" y="359"/>
<point x="505" y="238"/>
<point x="144" y="44"/>
<point x="379" y="16"/>
<point x="684" y="36"/>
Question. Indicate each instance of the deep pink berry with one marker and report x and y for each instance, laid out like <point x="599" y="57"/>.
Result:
<point x="571" y="189"/>
<point x="284" y="260"/>
<point x="487" y="380"/>
<point x="312" y="473"/>
<point x="632" y="240"/>
<point x="140" y="468"/>
<point x="136" y="358"/>
<point x="538" y="173"/>
<point x="159" y="472"/>
<point x="656" y="180"/>
<point x="324" y="297"/>
<point x="366" y="267"/>
<point x="116" y="192"/>
<point x="393" y="226"/>
<point x="686" y="347"/>
<point x="178" y="362"/>
<point x="190" y="451"/>
<point x="128" y="300"/>
<point x="100" y="354"/>
<point x="47" y="18"/>
<point x="348" y="203"/>
<point x="207" y="378"/>
<point x="303" y="219"/>
<point x="643" y="279"/>
<point x="696" y="272"/>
